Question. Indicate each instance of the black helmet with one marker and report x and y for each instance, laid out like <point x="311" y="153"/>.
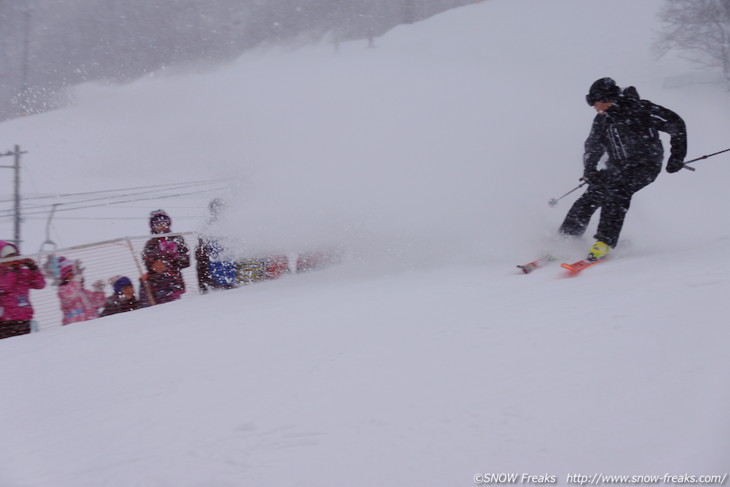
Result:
<point x="604" y="89"/>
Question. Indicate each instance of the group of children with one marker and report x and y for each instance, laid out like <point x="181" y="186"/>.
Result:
<point x="81" y="304"/>
<point x="164" y="257"/>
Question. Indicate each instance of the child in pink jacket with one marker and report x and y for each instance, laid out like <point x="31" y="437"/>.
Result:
<point x="77" y="303"/>
<point x="17" y="278"/>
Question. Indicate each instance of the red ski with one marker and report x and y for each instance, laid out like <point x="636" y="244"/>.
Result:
<point x="535" y="264"/>
<point x="576" y="267"/>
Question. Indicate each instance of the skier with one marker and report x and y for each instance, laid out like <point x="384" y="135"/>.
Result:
<point x="164" y="257"/>
<point x="626" y="130"/>
<point x="17" y="278"/>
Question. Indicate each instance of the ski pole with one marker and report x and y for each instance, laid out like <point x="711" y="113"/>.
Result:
<point x="554" y="201"/>
<point x="702" y="157"/>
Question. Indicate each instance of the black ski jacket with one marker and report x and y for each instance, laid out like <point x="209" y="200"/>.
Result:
<point x="629" y="134"/>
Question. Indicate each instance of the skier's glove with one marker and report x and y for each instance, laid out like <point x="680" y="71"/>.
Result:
<point x="168" y="247"/>
<point x="30" y="264"/>
<point x="591" y="176"/>
<point x="674" y="164"/>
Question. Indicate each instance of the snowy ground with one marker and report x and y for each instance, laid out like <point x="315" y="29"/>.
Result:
<point x="425" y="359"/>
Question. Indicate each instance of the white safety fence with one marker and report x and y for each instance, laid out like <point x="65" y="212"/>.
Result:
<point x="101" y="261"/>
<point x="123" y="257"/>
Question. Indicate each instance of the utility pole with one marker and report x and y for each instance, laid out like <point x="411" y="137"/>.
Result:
<point x="16" y="184"/>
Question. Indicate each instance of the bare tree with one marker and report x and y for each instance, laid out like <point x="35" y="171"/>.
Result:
<point x="700" y="29"/>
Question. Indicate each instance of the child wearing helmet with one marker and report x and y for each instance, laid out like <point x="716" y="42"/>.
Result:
<point x="77" y="303"/>
<point x="122" y="299"/>
<point x="164" y="258"/>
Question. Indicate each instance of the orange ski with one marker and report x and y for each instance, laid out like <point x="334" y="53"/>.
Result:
<point x="536" y="264"/>
<point x="576" y="267"/>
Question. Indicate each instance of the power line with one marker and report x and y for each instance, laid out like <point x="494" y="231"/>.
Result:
<point x="170" y="186"/>
<point x="120" y="202"/>
<point x="177" y="217"/>
<point x="102" y="198"/>
<point x="51" y="205"/>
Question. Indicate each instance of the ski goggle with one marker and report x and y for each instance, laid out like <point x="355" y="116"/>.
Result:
<point x="592" y="99"/>
<point x="8" y="251"/>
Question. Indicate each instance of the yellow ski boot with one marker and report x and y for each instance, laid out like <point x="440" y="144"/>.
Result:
<point x="598" y="251"/>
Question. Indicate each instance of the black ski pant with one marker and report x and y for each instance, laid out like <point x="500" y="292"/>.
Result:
<point x="612" y="194"/>
<point x="14" y="328"/>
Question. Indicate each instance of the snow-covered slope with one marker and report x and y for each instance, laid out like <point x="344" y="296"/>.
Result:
<point x="425" y="359"/>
